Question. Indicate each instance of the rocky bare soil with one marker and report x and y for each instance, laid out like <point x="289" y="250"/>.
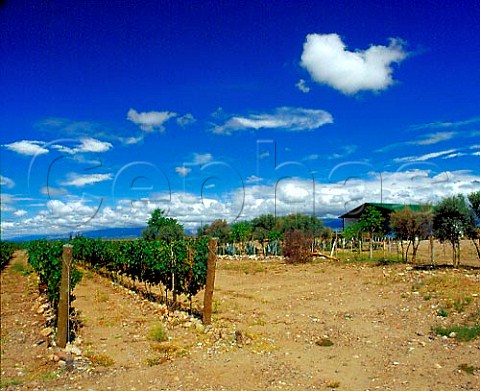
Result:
<point x="324" y="326"/>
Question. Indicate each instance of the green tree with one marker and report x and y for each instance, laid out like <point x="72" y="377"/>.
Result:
<point x="262" y="226"/>
<point x="240" y="232"/>
<point x="413" y="227"/>
<point x="474" y="233"/>
<point x="310" y="226"/>
<point x="218" y="229"/>
<point x="163" y="228"/>
<point x="372" y="222"/>
<point x="452" y="219"/>
<point x="353" y="233"/>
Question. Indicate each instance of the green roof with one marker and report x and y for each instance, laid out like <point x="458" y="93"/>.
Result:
<point x="394" y="207"/>
<point x="356" y="212"/>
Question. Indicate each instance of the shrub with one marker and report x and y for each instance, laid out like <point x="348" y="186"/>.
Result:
<point x="158" y="333"/>
<point x="297" y="247"/>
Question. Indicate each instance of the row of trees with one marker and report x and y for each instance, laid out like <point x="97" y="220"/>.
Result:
<point x="450" y="220"/>
<point x="265" y="229"/>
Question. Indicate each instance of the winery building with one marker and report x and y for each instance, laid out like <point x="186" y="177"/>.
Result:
<point x="352" y="216"/>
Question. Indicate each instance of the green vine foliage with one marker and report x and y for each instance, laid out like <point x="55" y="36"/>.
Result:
<point x="179" y="265"/>
<point x="46" y="259"/>
<point x="6" y="253"/>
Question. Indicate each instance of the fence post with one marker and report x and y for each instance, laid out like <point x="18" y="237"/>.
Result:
<point x="64" y="300"/>
<point x="209" y="285"/>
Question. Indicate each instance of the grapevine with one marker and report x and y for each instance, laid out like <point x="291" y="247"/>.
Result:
<point x="180" y="266"/>
<point x="6" y="253"/>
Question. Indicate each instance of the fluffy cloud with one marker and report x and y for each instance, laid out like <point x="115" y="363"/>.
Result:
<point x="93" y="145"/>
<point x="183" y="171"/>
<point x="131" y="140"/>
<point x="201" y="158"/>
<point x="20" y="212"/>
<point x="253" y="179"/>
<point x="83" y="180"/>
<point x="27" y="147"/>
<point x="302" y="86"/>
<point x="327" y="199"/>
<point x="186" y="120"/>
<point x="7" y="183"/>
<point x="53" y="191"/>
<point x="87" y="144"/>
<point x="284" y="118"/>
<point x="150" y="120"/>
<point x="294" y="191"/>
<point x="329" y="62"/>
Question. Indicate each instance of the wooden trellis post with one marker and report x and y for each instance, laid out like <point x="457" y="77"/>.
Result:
<point x="64" y="300"/>
<point x="209" y="285"/>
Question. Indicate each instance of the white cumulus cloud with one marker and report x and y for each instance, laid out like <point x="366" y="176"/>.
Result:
<point x="93" y="145"/>
<point x="186" y="120"/>
<point x="78" y="180"/>
<point x="284" y="118"/>
<point x="20" y="212"/>
<point x="150" y="120"/>
<point x="87" y="144"/>
<point x="183" y="171"/>
<point x="53" y="191"/>
<point x="325" y="199"/>
<point x="7" y="183"/>
<point x="201" y="158"/>
<point x="27" y="147"/>
<point x="329" y="62"/>
<point x="302" y="86"/>
<point x="253" y="179"/>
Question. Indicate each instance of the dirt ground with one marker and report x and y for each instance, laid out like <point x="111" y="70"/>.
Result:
<point x="319" y="326"/>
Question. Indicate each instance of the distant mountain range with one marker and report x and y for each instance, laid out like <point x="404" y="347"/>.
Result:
<point x="105" y="233"/>
<point x="129" y="233"/>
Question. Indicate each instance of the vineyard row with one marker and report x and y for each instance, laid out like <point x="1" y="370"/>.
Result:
<point x="180" y="266"/>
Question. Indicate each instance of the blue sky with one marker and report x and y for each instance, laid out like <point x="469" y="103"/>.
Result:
<point x="232" y="109"/>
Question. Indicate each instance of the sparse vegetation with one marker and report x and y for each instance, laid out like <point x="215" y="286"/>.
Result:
<point x="333" y="384"/>
<point x="462" y="333"/>
<point x="470" y="369"/>
<point x="48" y="376"/>
<point x="22" y="268"/>
<point x="7" y="383"/>
<point x="153" y="361"/>
<point x="158" y="333"/>
<point x="324" y="341"/>
<point x="442" y="312"/>
<point x="100" y="359"/>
